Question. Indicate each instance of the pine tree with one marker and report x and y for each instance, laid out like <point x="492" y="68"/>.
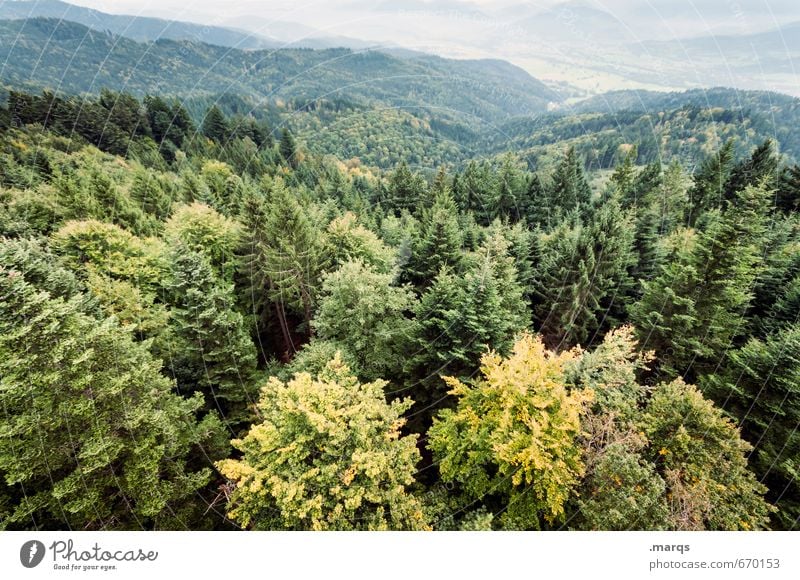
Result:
<point x="759" y="385"/>
<point x="693" y="310"/>
<point x="405" y="190"/>
<point x="626" y="180"/>
<point x="476" y="191"/>
<point x="215" y="126"/>
<point x="510" y="188"/>
<point x="787" y="198"/>
<point x="761" y="168"/>
<point x="458" y="318"/>
<point x="208" y="347"/>
<point x="538" y="206"/>
<point x="94" y="437"/>
<point x="292" y="253"/>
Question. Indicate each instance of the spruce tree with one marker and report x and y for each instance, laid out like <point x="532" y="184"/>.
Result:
<point x="569" y="189"/>
<point x="208" y="347"/>
<point x="759" y="385"/>
<point x="94" y="436"/>
<point x="710" y="182"/>
<point x="583" y="277"/>
<point x="438" y="243"/>
<point x="215" y="126"/>
<point x="693" y="310"/>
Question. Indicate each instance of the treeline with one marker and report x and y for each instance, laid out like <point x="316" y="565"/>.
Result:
<point x="307" y="344"/>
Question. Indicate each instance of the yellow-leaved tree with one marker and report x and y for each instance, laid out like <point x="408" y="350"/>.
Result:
<point x="511" y="442"/>
<point x="328" y="455"/>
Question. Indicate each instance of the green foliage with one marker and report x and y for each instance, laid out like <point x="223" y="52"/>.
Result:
<point x="207" y="346"/>
<point x="347" y="240"/>
<point x="205" y="231"/>
<point x="361" y="309"/>
<point x="703" y="460"/>
<point x="583" y="276"/>
<point x="759" y="384"/>
<point x="110" y="250"/>
<point x="438" y="243"/>
<point x="695" y="308"/>
<point x="92" y="434"/>
<point x="327" y="454"/>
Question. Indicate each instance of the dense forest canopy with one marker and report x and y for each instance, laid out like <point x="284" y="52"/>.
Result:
<point x="206" y="324"/>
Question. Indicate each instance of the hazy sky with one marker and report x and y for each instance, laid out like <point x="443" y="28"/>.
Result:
<point x="377" y="19"/>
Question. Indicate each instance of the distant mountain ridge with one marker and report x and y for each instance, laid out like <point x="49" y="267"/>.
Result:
<point x="73" y="58"/>
<point x="141" y="28"/>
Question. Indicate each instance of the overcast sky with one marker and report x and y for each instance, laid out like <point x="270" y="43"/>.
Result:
<point x="338" y="13"/>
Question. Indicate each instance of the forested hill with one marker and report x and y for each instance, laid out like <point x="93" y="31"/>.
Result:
<point x="72" y="58"/>
<point x="136" y="27"/>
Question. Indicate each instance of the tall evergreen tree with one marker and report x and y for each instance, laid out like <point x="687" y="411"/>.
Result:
<point x="583" y="277"/>
<point x="208" y="347"/>
<point x="438" y="243"/>
<point x="94" y="437"/>
<point x="693" y="310"/>
<point x="710" y="182"/>
<point x="569" y="189"/>
<point x="215" y="126"/>
<point x="759" y="385"/>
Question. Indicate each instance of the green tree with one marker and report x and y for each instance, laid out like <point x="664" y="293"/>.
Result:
<point x="204" y="230"/>
<point x="438" y="243"/>
<point x="208" y="347"/>
<point x="693" y="310"/>
<point x="93" y="435"/>
<point x="759" y="385"/>
<point x="327" y="455"/>
<point x="215" y="126"/>
<point x="703" y="460"/>
<point x="361" y="309"/>
<point x="709" y="182"/>
<point x="288" y="148"/>
<point x="569" y="189"/>
<point x="583" y="277"/>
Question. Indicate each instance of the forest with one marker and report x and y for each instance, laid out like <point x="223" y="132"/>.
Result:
<point x="206" y="323"/>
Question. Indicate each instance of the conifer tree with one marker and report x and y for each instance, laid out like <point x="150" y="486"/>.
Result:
<point x="761" y="168"/>
<point x="94" y="437"/>
<point x="583" y="277"/>
<point x="569" y="189"/>
<point x="215" y="126"/>
<point x="759" y="384"/>
<point x="288" y="148"/>
<point x="438" y="243"/>
<point x="710" y="182"/>
<point x="208" y="347"/>
<point x="693" y="310"/>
